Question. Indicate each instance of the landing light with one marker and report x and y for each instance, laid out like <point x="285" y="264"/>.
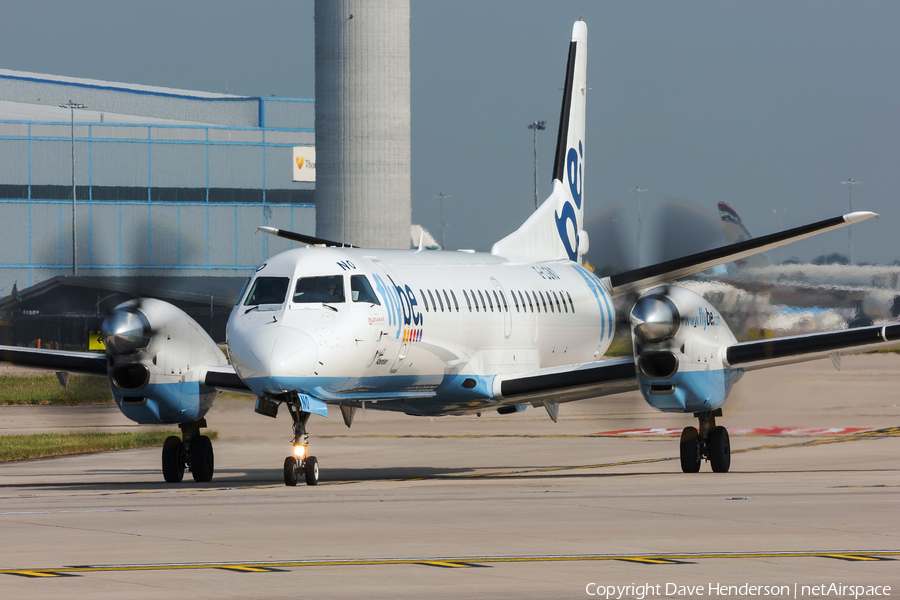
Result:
<point x="300" y="451"/>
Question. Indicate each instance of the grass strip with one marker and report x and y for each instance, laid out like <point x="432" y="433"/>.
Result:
<point x="45" y="389"/>
<point x="18" y="447"/>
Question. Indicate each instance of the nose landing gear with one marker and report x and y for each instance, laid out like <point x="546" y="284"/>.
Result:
<point x="300" y="462"/>
<point x="710" y="442"/>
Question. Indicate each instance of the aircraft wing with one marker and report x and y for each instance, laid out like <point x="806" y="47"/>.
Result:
<point x="224" y="379"/>
<point x="568" y="383"/>
<point x="799" y="348"/>
<point x="82" y="363"/>
<point x="220" y="377"/>
<point x="591" y="380"/>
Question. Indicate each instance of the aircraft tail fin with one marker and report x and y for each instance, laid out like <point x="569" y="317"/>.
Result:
<point x="555" y="230"/>
<point x="736" y="231"/>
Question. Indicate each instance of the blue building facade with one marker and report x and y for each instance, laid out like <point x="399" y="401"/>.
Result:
<point x="167" y="182"/>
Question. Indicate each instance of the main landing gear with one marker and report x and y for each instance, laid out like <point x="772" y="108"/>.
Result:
<point x="710" y="442"/>
<point x="300" y="462"/>
<point x="194" y="452"/>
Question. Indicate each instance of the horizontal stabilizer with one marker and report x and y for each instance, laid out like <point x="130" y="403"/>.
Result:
<point x="645" y="277"/>
<point x="303" y="239"/>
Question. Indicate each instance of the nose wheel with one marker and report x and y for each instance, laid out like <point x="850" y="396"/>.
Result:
<point x="710" y="442"/>
<point x="300" y="462"/>
<point x="294" y="466"/>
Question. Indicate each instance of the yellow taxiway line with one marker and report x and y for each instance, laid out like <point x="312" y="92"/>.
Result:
<point x="454" y="562"/>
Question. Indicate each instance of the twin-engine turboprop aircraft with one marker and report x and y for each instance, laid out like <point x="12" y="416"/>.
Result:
<point x="438" y="333"/>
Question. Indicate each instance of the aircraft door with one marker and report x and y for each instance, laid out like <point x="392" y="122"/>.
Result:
<point x="507" y="318"/>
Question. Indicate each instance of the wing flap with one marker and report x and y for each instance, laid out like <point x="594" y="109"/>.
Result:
<point x="569" y="383"/>
<point x="800" y="348"/>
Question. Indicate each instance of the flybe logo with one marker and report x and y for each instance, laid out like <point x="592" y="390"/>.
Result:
<point x="705" y="318"/>
<point x="401" y="304"/>
<point x="575" y="177"/>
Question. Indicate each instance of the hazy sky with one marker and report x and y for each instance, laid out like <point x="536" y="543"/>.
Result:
<point x="766" y="105"/>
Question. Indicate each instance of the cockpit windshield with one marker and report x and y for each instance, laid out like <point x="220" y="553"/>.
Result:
<point x="267" y="290"/>
<point x="328" y="288"/>
<point x="361" y="290"/>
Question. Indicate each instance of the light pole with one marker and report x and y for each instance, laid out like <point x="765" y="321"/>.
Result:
<point x="535" y="127"/>
<point x="441" y="197"/>
<point x="72" y="106"/>
<point x="639" y="190"/>
<point x="850" y="182"/>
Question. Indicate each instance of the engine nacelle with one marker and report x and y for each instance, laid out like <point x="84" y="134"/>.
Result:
<point x="158" y="357"/>
<point x="679" y="347"/>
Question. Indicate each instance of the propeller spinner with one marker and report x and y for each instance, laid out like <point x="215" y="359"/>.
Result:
<point x="126" y="330"/>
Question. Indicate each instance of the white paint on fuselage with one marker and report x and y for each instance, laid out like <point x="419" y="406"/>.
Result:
<point x="412" y="333"/>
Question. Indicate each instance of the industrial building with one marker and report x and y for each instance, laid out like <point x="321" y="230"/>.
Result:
<point x="168" y="182"/>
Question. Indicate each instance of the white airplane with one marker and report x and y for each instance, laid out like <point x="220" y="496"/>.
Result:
<point x="440" y="333"/>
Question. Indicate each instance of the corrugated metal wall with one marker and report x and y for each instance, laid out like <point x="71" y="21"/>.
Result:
<point x="152" y="199"/>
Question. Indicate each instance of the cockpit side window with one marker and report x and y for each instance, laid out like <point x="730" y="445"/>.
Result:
<point x="328" y="288"/>
<point x="267" y="290"/>
<point x="361" y="290"/>
<point x="244" y="289"/>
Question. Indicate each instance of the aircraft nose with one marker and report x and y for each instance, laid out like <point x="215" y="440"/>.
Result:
<point x="268" y="359"/>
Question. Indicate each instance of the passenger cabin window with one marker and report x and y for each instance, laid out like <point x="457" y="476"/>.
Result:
<point x="268" y="290"/>
<point x="424" y="299"/>
<point x="572" y="304"/>
<point x="515" y="300"/>
<point x="556" y="298"/>
<point x="440" y="301"/>
<point x="466" y="296"/>
<point x="563" y="302"/>
<point x="361" y="290"/>
<point x="536" y="301"/>
<point x="447" y="298"/>
<point x="455" y="303"/>
<point x="544" y="301"/>
<point x="328" y="288"/>
<point x="488" y="294"/>
<point x="483" y="303"/>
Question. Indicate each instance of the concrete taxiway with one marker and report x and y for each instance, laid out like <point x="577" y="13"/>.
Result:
<point x="513" y="506"/>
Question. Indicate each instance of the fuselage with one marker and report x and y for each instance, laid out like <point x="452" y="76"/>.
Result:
<point x="422" y="332"/>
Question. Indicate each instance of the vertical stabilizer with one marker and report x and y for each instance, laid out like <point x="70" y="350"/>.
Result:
<point x="555" y="230"/>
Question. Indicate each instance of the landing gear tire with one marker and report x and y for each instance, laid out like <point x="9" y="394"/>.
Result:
<point x="202" y="460"/>
<point x="690" y="450"/>
<point x="291" y="467"/>
<point x="719" y="450"/>
<point x="311" y="469"/>
<point x="173" y="460"/>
